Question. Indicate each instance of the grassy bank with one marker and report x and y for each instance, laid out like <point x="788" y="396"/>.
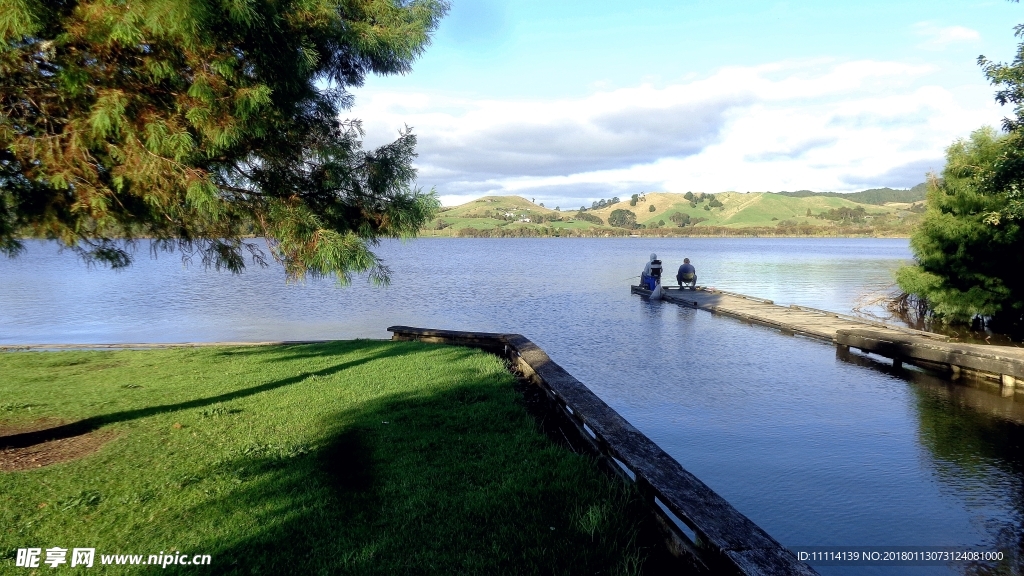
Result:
<point x="353" y="457"/>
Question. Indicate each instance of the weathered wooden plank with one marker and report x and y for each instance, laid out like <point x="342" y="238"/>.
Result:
<point x="489" y="341"/>
<point x="754" y="561"/>
<point x="873" y="323"/>
<point x="793" y="319"/>
<point x="993" y="359"/>
<point x="780" y="324"/>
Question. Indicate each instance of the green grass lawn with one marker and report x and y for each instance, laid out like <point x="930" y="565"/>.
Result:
<point x="363" y="457"/>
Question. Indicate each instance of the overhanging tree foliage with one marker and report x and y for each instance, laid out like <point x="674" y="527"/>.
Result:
<point x="198" y="123"/>
<point x="1008" y="169"/>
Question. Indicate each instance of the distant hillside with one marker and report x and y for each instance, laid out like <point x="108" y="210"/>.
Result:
<point x="876" y="196"/>
<point x="882" y="212"/>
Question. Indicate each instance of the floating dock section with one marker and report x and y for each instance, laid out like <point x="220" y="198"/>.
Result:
<point x="903" y="345"/>
<point x="699" y="524"/>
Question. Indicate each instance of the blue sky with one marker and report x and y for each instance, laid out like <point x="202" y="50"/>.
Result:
<point x="569" y="102"/>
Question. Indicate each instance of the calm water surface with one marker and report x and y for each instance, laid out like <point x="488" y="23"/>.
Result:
<point x="816" y="449"/>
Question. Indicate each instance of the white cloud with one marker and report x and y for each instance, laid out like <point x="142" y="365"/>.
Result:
<point x="938" y="37"/>
<point x="811" y="124"/>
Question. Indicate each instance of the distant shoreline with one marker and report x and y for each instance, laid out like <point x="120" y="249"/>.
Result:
<point x="666" y="214"/>
<point x="648" y="234"/>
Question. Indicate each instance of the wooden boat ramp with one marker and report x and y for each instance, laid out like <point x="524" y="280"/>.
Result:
<point x="1004" y="364"/>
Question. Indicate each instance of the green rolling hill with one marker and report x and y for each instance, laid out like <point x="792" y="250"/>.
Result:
<point x="881" y="212"/>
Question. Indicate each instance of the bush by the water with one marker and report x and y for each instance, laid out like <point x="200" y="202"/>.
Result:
<point x="969" y="263"/>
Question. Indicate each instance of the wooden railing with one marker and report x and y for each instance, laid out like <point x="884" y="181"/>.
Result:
<point x="699" y="524"/>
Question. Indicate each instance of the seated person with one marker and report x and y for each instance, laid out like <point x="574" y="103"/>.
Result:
<point x="687" y="274"/>
<point x="651" y="276"/>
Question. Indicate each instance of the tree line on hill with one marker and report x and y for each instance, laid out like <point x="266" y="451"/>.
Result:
<point x="517" y="215"/>
<point x="599" y="204"/>
<point x="785" y="229"/>
<point x="699" y="198"/>
<point x="877" y="196"/>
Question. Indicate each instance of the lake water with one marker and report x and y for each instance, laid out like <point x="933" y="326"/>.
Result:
<point x="816" y="449"/>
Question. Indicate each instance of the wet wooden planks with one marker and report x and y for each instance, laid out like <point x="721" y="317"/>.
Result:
<point x="817" y="323"/>
<point x="1005" y="363"/>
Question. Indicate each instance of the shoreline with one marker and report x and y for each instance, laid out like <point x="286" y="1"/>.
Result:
<point x="662" y="235"/>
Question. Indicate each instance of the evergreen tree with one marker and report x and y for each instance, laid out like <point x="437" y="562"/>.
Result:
<point x="967" y="266"/>
<point x="969" y="247"/>
<point x="199" y="122"/>
<point x="622" y="219"/>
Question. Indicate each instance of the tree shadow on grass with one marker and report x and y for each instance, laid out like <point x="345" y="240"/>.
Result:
<point x="459" y="481"/>
<point x="25" y="439"/>
<point x="290" y="352"/>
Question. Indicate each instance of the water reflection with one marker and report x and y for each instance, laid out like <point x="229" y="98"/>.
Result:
<point x="978" y="459"/>
<point x="975" y="436"/>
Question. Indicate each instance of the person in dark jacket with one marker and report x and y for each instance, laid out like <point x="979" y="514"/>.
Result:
<point x="687" y="274"/>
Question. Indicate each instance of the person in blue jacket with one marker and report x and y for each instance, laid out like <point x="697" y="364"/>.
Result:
<point x="687" y="274"/>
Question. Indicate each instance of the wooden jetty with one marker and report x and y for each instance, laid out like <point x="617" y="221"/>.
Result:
<point x="700" y="526"/>
<point x="903" y="345"/>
